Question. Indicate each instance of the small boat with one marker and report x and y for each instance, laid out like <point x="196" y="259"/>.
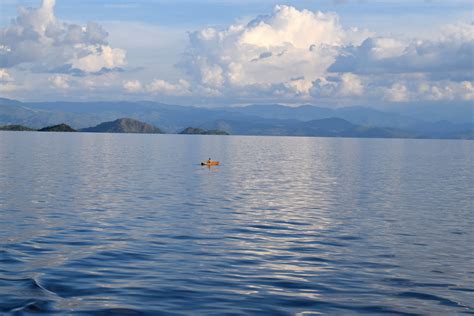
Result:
<point x="210" y="163"/>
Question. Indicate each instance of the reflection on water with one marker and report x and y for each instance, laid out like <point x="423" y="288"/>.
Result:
<point x="109" y="223"/>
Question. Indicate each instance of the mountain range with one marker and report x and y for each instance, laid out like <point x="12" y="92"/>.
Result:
<point x="415" y="121"/>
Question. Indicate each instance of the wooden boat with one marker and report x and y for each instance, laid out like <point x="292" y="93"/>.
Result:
<point x="210" y="163"/>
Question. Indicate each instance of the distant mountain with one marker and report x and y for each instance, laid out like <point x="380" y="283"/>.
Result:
<point x="334" y="127"/>
<point x="330" y="127"/>
<point x="356" y="114"/>
<point x="399" y="115"/>
<point x="17" y="113"/>
<point x="123" y="125"/>
<point x="460" y="113"/>
<point x="200" y="131"/>
<point x="10" y="102"/>
<point x="171" y="118"/>
<point x="282" y="112"/>
<point x="17" y="128"/>
<point x="272" y="119"/>
<point x="57" y="128"/>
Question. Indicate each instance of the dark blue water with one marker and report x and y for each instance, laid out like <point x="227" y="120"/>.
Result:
<point x="131" y="224"/>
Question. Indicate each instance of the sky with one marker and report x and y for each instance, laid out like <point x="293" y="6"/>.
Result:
<point x="235" y="52"/>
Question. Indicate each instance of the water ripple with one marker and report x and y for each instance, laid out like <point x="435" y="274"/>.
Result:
<point x="130" y="225"/>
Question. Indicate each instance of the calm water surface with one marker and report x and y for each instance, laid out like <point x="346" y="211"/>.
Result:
<point x="132" y="224"/>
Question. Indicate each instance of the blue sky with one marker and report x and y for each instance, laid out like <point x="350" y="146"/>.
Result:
<point x="195" y="14"/>
<point x="219" y="52"/>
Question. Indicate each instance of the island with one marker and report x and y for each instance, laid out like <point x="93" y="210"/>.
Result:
<point x="123" y="125"/>
<point x="57" y="128"/>
<point x="16" y="128"/>
<point x="200" y="131"/>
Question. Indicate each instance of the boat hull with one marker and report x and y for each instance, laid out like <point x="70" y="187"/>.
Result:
<point x="213" y="163"/>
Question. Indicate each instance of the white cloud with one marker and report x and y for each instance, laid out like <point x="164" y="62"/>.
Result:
<point x="132" y="86"/>
<point x="299" y="86"/>
<point x="467" y="90"/>
<point x="463" y="32"/>
<point x="446" y="91"/>
<point x="5" y="76"/>
<point x="59" y="81"/>
<point x="419" y="89"/>
<point x="290" y="48"/>
<point x="384" y="47"/>
<point x="38" y="40"/>
<point x="8" y="87"/>
<point x="448" y="57"/>
<point x="301" y="29"/>
<point x="161" y="86"/>
<point x="300" y="54"/>
<point x="98" y="58"/>
<point x="340" y="86"/>
<point x="351" y="85"/>
<point x="104" y="81"/>
<point x="7" y="83"/>
<point x="398" y="92"/>
<point x="289" y="55"/>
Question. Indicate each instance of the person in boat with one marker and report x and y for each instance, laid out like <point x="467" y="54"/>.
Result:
<point x="209" y="160"/>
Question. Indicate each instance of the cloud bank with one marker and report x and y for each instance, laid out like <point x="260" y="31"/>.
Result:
<point x="288" y="48"/>
<point x="303" y="55"/>
<point x="289" y="55"/>
<point x="449" y="57"/>
<point x="36" y="39"/>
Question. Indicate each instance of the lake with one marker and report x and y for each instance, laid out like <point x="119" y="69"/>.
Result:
<point x="132" y="224"/>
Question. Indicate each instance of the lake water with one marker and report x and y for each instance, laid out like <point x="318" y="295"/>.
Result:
<point x="132" y="224"/>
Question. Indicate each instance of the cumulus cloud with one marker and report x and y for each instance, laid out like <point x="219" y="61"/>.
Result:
<point x="447" y="90"/>
<point x="289" y="55"/>
<point x="7" y="82"/>
<point x="167" y="88"/>
<point x="340" y="86"/>
<point x="351" y="85"/>
<point x="8" y="87"/>
<point x="159" y="86"/>
<point x="424" y="90"/>
<point x="298" y="54"/>
<point x="301" y="29"/>
<point x="59" y="81"/>
<point x="449" y="57"/>
<point x="5" y="76"/>
<point x="299" y="86"/>
<point x="289" y="48"/>
<point x="98" y="58"/>
<point x="132" y="86"/>
<point x="37" y="39"/>
<point x="398" y="92"/>
<point x="103" y="81"/>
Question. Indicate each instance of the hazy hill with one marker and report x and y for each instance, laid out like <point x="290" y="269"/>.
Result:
<point x="272" y="119"/>
<point x="17" y="113"/>
<point x="123" y="125"/>
<point x="356" y="114"/>
<point x="17" y="128"/>
<point x="200" y="131"/>
<point x="57" y="128"/>
<point x="420" y="119"/>
<point x="172" y="118"/>
<point x="460" y="113"/>
<point x="329" y="127"/>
